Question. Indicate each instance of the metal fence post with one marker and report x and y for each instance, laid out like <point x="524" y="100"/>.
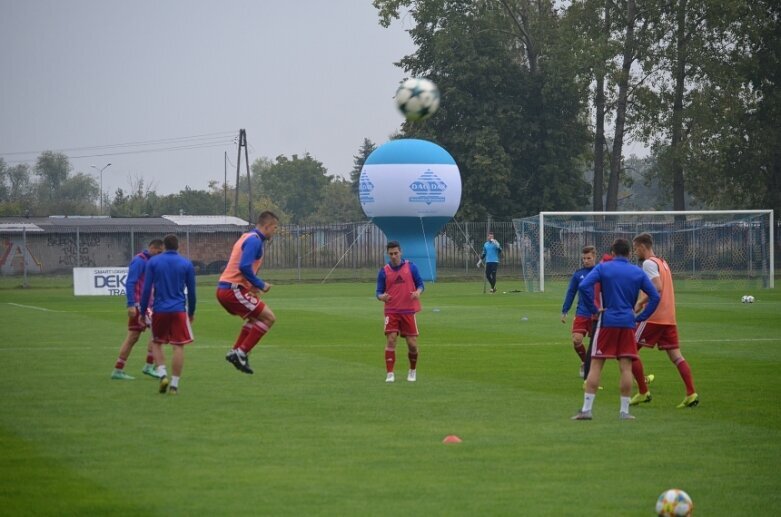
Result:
<point x="298" y="251"/>
<point x="467" y="244"/>
<point x="24" y="256"/>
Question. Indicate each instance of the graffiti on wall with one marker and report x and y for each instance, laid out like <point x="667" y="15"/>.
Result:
<point x="72" y="254"/>
<point x="16" y="256"/>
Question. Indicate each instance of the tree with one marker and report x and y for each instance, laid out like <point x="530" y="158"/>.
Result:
<point x="52" y="169"/>
<point x="4" y="183"/>
<point x="587" y="33"/>
<point x="191" y="202"/>
<point x="16" y="190"/>
<point x="76" y="196"/>
<point x="729" y="146"/>
<point x="674" y="63"/>
<point x="627" y="59"/>
<point x="57" y="191"/>
<point x="359" y="159"/>
<point x="338" y="205"/>
<point x="681" y="64"/>
<point x="141" y="201"/>
<point x="296" y="184"/>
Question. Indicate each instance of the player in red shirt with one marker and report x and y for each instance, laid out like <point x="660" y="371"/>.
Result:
<point x="399" y="286"/>
<point x="661" y="329"/>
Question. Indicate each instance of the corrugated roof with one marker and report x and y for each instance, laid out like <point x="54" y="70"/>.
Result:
<point x="19" y="227"/>
<point x="210" y="220"/>
<point x="171" y="224"/>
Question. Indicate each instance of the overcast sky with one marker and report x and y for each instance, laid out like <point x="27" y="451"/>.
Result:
<point x="84" y="76"/>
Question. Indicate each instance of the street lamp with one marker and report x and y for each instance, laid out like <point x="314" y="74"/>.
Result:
<point x="101" y="169"/>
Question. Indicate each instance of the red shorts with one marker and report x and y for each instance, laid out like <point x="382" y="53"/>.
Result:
<point x="405" y="324"/>
<point x="240" y="302"/>
<point x="137" y="323"/>
<point x="171" y="327"/>
<point x="582" y="325"/>
<point x="654" y="334"/>
<point x="613" y="343"/>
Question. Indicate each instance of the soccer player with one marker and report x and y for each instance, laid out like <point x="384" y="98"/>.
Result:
<point x="492" y="251"/>
<point x="135" y="320"/>
<point x="660" y="329"/>
<point x="606" y="257"/>
<point x="581" y="325"/>
<point x="614" y="337"/>
<point x="174" y="309"/>
<point x="239" y="290"/>
<point x="399" y="286"/>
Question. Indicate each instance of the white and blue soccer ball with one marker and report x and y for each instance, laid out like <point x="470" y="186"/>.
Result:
<point x="674" y="503"/>
<point x="747" y="299"/>
<point x="417" y="99"/>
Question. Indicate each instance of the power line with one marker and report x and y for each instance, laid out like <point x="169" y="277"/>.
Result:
<point x="159" y="150"/>
<point x="206" y="137"/>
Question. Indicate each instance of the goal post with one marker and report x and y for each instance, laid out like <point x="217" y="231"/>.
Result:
<point x="704" y="246"/>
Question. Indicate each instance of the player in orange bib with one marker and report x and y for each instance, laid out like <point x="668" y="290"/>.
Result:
<point x="239" y="290"/>
<point x="661" y="329"/>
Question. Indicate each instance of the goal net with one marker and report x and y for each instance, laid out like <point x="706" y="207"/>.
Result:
<point x="703" y="248"/>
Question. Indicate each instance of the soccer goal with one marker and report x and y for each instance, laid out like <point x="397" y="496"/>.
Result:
<point x="706" y="248"/>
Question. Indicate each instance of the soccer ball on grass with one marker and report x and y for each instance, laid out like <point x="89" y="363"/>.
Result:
<point x="417" y="99"/>
<point x="747" y="299"/>
<point x="674" y="503"/>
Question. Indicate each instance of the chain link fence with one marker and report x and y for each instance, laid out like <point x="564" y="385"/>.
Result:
<point x="298" y="253"/>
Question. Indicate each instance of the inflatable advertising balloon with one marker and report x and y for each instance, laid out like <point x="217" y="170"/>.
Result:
<point x="410" y="188"/>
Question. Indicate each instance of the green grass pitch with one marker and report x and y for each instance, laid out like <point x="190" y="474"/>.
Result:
<point x="316" y="431"/>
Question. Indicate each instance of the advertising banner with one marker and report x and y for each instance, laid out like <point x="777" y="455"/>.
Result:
<point x="99" y="281"/>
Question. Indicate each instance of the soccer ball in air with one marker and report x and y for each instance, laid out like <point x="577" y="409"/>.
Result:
<point x="417" y="99"/>
<point x="747" y="299"/>
<point x="674" y="503"/>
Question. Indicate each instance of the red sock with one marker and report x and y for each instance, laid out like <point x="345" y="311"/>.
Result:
<point x="255" y="333"/>
<point x="413" y="360"/>
<point x="242" y="335"/>
<point x="120" y="364"/>
<point x="581" y="351"/>
<point x="150" y="359"/>
<point x="686" y="375"/>
<point x="637" y="371"/>
<point x="390" y="360"/>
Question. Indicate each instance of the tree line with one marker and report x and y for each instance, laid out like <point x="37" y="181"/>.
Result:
<point x="536" y="93"/>
<point x="540" y="99"/>
<point x="297" y="188"/>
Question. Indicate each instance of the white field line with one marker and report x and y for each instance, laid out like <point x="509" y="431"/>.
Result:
<point x="32" y="307"/>
<point x="107" y="311"/>
<point x="196" y="346"/>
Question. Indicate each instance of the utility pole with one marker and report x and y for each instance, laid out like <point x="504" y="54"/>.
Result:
<point x="243" y="143"/>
